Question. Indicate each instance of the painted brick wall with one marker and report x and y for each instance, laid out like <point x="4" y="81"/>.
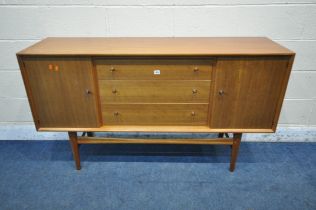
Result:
<point x="292" y="23"/>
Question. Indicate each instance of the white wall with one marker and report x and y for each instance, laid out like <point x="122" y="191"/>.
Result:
<point x="291" y="23"/>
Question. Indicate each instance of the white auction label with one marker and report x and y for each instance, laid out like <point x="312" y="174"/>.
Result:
<point x="156" y="71"/>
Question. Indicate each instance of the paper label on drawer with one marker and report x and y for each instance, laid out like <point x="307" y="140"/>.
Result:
<point x="156" y="71"/>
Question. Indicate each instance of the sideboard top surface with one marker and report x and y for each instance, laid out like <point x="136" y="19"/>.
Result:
<point x="163" y="46"/>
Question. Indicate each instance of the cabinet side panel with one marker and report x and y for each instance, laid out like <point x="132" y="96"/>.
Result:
<point x="28" y="91"/>
<point x="248" y="91"/>
<point x="283" y="91"/>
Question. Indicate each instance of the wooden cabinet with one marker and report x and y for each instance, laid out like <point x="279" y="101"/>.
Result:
<point x="224" y="85"/>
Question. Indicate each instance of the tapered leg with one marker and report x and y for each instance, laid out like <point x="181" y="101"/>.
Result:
<point x="74" y="146"/>
<point x="235" y="149"/>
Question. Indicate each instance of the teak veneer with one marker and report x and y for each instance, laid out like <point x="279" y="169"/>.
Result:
<point x="215" y="85"/>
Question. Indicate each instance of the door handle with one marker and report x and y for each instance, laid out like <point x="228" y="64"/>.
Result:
<point x="88" y="92"/>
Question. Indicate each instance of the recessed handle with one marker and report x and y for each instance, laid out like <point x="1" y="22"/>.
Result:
<point x="221" y="92"/>
<point x="194" y="91"/>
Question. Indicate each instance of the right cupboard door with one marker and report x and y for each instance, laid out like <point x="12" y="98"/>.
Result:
<point x="248" y="92"/>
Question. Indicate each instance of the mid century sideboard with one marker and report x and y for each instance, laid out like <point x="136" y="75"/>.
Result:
<point x="213" y="85"/>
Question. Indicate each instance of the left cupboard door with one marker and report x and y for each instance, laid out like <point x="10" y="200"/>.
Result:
<point x="62" y="91"/>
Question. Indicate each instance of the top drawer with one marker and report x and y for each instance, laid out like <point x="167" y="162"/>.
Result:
<point x="154" y="68"/>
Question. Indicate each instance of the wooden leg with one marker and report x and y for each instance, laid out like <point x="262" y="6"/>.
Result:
<point x="235" y="149"/>
<point x="74" y="146"/>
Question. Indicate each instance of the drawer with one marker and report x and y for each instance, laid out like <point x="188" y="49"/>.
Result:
<point x="154" y="69"/>
<point x="154" y="114"/>
<point x="170" y="91"/>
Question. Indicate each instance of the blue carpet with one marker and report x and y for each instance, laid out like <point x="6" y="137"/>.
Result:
<point x="41" y="175"/>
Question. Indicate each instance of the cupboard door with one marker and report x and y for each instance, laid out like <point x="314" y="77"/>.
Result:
<point x="248" y="92"/>
<point x="62" y="91"/>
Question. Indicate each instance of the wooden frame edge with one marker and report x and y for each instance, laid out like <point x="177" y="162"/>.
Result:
<point x="283" y="92"/>
<point x="157" y="129"/>
<point x="96" y="90"/>
<point x="28" y="91"/>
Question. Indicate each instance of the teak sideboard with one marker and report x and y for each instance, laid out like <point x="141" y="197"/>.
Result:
<point x="213" y="85"/>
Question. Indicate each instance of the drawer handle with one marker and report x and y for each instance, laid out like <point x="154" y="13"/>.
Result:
<point x="194" y="91"/>
<point x="116" y="114"/>
<point x="88" y="92"/>
<point x="221" y="92"/>
<point x="192" y="113"/>
<point x="112" y="69"/>
<point x="196" y="69"/>
<point x="114" y="91"/>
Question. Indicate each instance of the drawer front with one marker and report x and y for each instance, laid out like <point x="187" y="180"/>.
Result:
<point x="154" y="114"/>
<point x="118" y="91"/>
<point x="154" y="69"/>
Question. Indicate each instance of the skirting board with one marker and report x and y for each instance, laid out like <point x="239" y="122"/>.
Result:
<point x="283" y="134"/>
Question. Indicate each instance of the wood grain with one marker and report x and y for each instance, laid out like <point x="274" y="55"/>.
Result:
<point x="60" y="97"/>
<point x="143" y="68"/>
<point x="132" y="46"/>
<point x="154" y="114"/>
<point x="252" y="88"/>
<point x="142" y="91"/>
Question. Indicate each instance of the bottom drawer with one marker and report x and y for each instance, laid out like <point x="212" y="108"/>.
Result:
<point x="154" y="114"/>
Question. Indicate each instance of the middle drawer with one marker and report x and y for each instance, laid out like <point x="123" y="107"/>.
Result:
<point x="144" y="91"/>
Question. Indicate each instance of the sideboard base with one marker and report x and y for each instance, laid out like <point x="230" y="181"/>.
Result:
<point x="234" y="142"/>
